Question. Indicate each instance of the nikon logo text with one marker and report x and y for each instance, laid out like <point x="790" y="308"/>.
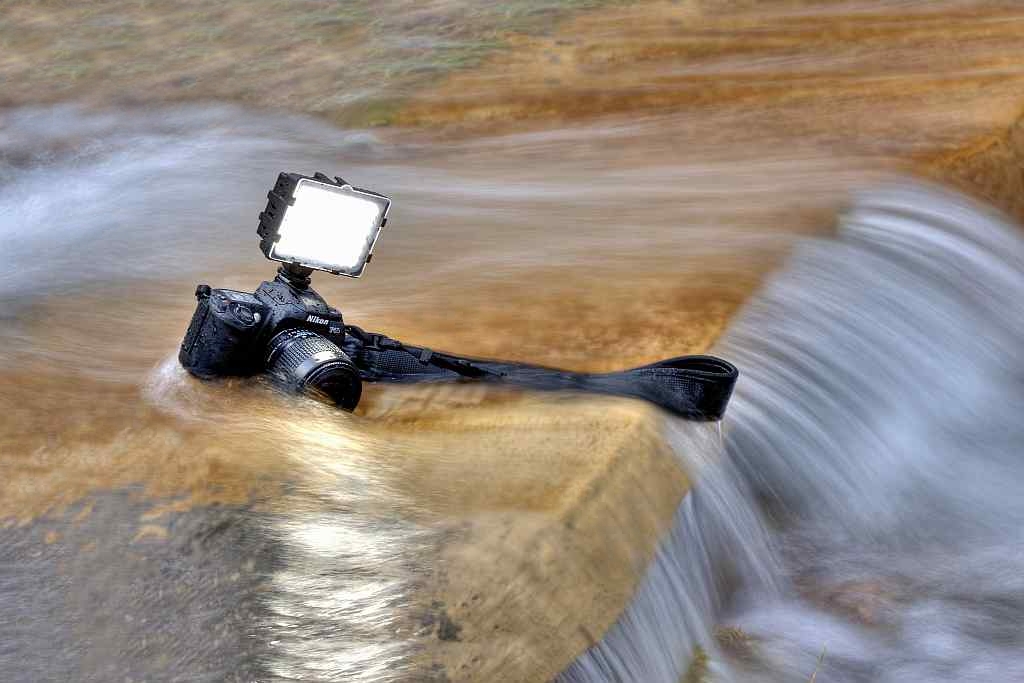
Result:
<point x="317" y="319"/>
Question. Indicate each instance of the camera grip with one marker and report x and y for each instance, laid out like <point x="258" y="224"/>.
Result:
<point x="222" y="333"/>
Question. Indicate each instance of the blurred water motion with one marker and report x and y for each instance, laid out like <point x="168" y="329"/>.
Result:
<point x="878" y="426"/>
<point x="876" y="419"/>
<point x="863" y="503"/>
<point x="881" y="420"/>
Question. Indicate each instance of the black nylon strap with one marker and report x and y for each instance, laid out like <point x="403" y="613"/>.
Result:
<point x="694" y="387"/>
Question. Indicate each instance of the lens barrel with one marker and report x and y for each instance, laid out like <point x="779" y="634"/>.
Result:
<point x="307" y="361"/>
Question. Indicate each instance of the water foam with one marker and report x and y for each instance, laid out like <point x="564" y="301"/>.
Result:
<point x="877" y="421"/>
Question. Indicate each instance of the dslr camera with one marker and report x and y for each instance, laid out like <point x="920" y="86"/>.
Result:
<point x="285" y="328"/>
<point x="287" y="331"/>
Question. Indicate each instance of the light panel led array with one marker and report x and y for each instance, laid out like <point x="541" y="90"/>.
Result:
<point x="322" y="224"/>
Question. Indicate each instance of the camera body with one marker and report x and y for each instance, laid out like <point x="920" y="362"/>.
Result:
<point x="284" y="329"/>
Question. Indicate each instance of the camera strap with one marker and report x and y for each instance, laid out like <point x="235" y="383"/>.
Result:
<point x="384" y="358"/>
<point x="694" y="387"/>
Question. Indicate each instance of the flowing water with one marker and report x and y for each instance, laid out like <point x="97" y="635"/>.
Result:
<point x="878" y="429"/>
<point x="881" y="419"/>
<point x="860" y="501"/>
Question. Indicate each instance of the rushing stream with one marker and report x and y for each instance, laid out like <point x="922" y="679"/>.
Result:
<point x="881" y="420"/>
<point x="858" y="511"/>
<point x="878" y="425"/>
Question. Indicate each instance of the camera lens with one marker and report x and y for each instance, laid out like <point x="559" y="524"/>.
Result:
<point x="307" y="361"/>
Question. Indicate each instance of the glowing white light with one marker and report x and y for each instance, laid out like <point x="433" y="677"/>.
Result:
<point x="329" y="227"/>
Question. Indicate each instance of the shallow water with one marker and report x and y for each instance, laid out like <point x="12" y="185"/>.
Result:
<point x="113" y="218"/>
<point x="864" y="504"/>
